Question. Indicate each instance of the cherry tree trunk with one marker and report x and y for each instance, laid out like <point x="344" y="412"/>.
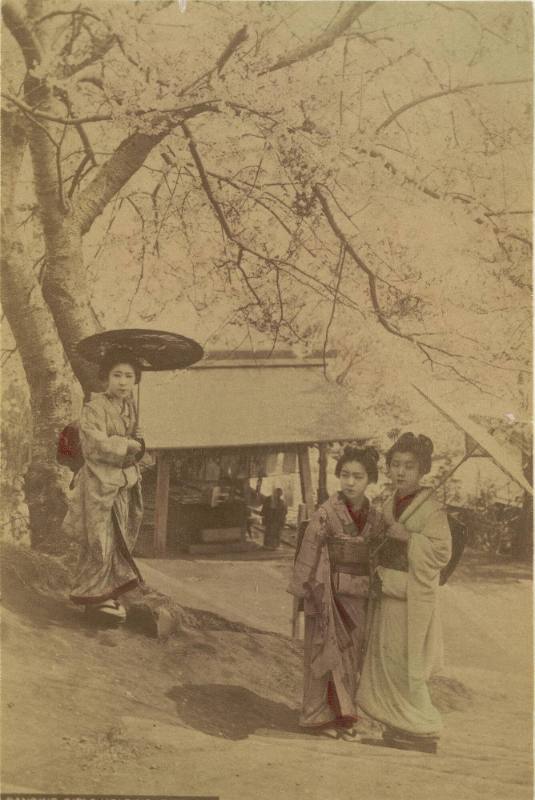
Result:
<point x="42" y="356"/>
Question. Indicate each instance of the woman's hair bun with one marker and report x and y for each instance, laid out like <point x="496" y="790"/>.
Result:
<point x="421" y="442"/>
<point x="119" y="354"/>
<point x="425" y="443"/>
<point x="367" y="456"/>
<point x="421" y="446"/>
<point x="407" y="438"/>
<point x="373" y="453"/>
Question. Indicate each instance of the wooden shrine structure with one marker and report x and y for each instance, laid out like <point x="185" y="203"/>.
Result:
<point x="244" y="403"/>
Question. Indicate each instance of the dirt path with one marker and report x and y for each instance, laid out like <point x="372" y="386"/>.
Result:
<point x="214" y="711"/>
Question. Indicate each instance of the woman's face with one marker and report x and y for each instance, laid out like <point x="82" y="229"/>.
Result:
<point x="121" y="380"/>
<point x="353" y="480"/>
<point x="404" y="471"/>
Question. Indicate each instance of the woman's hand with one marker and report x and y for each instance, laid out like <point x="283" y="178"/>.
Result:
<point x="397" y="531"/>
<point x="133" y="447"/>
<point x="388" y="515"/>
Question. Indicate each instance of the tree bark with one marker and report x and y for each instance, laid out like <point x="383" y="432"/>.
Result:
<point x="65" y="288"/>
<point x="41" y="353"/>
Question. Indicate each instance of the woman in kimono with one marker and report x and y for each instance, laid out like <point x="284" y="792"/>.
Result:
<point x="405" y="641"/>
<point x="332" y="574"/>
<point x="106" y="507"/>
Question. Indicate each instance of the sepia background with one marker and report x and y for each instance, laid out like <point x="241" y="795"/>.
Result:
<point x="345" y="182"/>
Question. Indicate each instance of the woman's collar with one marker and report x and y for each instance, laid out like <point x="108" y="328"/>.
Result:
<point x="399" y="497"/>
<point x="346" y="502"/>
<point x="111" y="396"/>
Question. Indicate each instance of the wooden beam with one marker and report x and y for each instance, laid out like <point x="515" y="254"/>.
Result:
<point x="161" y="504"/>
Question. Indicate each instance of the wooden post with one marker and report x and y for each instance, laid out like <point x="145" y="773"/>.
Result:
<point x="305" y="512"/>
<point x="305" y="474"/>
<point x="295" y="619"/>
<point x="297" y="604"/>
<point x="161" y="504"/>
<point x="322" y="479"/>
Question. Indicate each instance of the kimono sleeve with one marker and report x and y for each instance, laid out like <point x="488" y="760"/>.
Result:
<point x="430" y="548"/>
<point x="97" y="446"/>
<point x="306" y="563"/>
<point x="378" y="528"/>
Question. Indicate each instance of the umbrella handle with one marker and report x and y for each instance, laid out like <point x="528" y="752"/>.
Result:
<point x="137" y="405"/>
<point x="442" y="482"/>
<point x="427" y="496"/>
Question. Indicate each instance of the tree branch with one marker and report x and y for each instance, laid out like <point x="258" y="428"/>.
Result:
<point x="424" y="347"/>
<point x="293" y="270"/>
<point x="281" y="312"/>
<point x="256" y="200"/>
<point x="372" y="280"/>
<point x="17" y="26"/>
<point x="205" y="182"/>
<point x="476" y="19"/>
<point x="341" y="261"/>
<point x="238" y="39"/>
<point x="80" y="12"/>
<point x="456" y="90"/>
<point x="122" y="165"/>
<point x="246" y="277"/>
<point x="324" y="40"/>
<point x="405" y="179"/>
<point x="189" y="110"/>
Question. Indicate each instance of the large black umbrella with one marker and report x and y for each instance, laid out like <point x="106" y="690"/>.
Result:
<point x="154" y="350"/>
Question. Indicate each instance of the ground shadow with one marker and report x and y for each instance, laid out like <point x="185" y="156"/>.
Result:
<point x="46" y="609"/>
<point x="38" y="608"/>
<point x="231" y="711"/>
<point x="449" y="694"/>
<point x="481" y="567"/>
<point x="283" y="553"/>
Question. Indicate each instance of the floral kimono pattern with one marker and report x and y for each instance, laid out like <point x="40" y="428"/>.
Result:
<point x="106" y="506"/>
<point x="335" y="606"/>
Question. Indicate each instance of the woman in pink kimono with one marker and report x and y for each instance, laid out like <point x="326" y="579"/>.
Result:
<point x="332" y="575"/>
<point x="405" y="642"/>
<point x="106" y="506"/>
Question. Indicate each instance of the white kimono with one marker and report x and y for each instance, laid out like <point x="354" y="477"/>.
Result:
<point x="405" y="641"/>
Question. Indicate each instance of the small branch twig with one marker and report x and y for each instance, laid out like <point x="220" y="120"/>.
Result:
<point x="295" y="271"/>
<point x="324" y="40"/>
<point x="238" y="39"/>
<point x="435" y="95"/>
<point x="372" y="280"/>
<point x="76" y="121"/>
<point x="341" y="261"/>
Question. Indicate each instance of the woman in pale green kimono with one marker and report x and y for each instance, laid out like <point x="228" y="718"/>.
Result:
<point x="405" y="641"/>
<point x="332" y="575"/>
<point x="106" y="506"/>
